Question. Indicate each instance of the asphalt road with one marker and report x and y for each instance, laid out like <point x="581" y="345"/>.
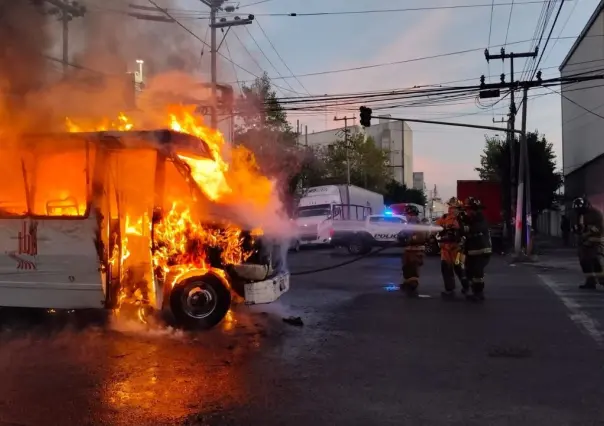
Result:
<point x="365" y="356"/>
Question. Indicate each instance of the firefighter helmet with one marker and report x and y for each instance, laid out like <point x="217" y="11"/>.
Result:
<point x="454" y="202"/>
<point x="580" y="203"/>
<point x="411" y="210"/>
<point x="473" y="203"/>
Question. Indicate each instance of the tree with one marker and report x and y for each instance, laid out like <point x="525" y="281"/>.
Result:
<point x="259" y="108"/>
<point x="396" y="192"/>
<point x="545" y="181"/>
<point x="265" y="131"/>
<point x="368" y="164"/>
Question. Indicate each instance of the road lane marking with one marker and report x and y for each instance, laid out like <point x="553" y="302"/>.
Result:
<point x="585" y="322"/>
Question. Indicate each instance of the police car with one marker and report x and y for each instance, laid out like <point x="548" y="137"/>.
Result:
<point x="378" y="230"/>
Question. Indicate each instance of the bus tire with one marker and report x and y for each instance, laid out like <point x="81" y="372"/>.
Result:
<point x="200" y="303"/>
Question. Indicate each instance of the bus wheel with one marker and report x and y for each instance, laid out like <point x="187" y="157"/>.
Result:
<point x="200" y="303"/>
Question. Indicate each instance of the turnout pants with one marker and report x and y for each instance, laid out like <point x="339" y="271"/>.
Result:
<point x="413" y="259"/>
<point x="450" y="266"/>
<point x="590" y="258"/>
<point x="475" y="266"/>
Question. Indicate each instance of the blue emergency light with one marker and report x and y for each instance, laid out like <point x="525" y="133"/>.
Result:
<point x="388" y="212"/>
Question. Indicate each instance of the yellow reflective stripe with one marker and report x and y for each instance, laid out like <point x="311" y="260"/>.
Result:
<point x="487" y="250"/>
<point x="415" y="248"/>
<point x="595" y="239"/>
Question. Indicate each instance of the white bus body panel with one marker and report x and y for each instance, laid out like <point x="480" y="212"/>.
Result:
<point x="50" y="263"/>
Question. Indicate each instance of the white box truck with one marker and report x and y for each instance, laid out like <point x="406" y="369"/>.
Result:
<point x="321" y="205"/>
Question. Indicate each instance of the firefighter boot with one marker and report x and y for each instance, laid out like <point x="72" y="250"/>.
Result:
<point x="410" y="288"/>
<point x="448" y="295"/>
<point x="589" y="284"/>
<point x="477" y="294"/>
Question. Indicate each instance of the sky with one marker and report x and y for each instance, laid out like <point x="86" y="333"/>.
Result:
<point x="311" y="44"/>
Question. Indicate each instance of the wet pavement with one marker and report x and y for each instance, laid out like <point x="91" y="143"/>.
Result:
<point x="364" y="356"/>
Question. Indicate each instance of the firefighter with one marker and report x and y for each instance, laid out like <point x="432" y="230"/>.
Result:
<point x="413" y="253"/>
<point x="450" y="238"/>
<point x="477" y="247"/>
<point x="589" y="235"/>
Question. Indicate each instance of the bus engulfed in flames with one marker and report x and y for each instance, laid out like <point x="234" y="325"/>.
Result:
<point x="204" y="247"/>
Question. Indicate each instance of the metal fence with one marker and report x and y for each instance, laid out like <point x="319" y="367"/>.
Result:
<point x="548" y="223"/>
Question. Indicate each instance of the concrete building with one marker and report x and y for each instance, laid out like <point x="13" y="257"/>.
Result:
<point x="582" y="147"/>
<point x="394" y="137"/>
<point x="418" y="181"/>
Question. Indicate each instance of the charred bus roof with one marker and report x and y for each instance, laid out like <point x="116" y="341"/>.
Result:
<point x="159" y="138"/>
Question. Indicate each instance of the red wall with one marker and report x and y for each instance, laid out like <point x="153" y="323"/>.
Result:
<point x="489" y="194"/>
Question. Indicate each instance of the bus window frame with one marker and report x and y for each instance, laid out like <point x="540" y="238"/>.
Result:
<point x="29" y="214"/>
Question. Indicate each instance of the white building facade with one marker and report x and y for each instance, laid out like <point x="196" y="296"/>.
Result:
<point x="582" y="132"/>
<point x="394" y="137"/>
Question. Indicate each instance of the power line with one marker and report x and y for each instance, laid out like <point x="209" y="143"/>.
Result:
<point x="250" y="54"/>
<point x="253" y="4"/>
<point x="489" y="41"/>
<point x="548" y="38"/>
<point x="537" y="35"/>
<point x="226" y="44"/>
<point x="507" y="32"/>
<point x="269" y="61"/>
<point x="561" y="31"/>
<point x="281" y="89"/>
<point x="197" y="14"/>
<point x="577" y="104"/>
<point x="491" y="24"/>
<point x="281" y="58"/>
<point x="443" y="95"/>
<point x="432" y="91"/>
<point x="177" y="22"/>
<point x="422" y="58"/>
<point x="407" y="9"/>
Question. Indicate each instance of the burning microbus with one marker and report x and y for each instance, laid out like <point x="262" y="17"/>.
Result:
<point x="119" y="218"/>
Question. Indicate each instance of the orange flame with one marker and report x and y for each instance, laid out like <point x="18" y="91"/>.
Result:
<point x="181" y="243"/>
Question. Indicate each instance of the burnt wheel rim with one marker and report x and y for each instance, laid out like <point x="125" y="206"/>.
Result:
<point x="199" y="301"/>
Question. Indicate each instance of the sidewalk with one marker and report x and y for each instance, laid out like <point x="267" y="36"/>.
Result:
<point x="550" y="253"/>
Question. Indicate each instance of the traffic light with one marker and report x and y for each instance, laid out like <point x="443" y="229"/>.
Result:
<point x="365" y="116"/>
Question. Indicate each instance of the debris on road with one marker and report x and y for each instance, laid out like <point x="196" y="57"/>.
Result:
<point x="295" y="321"/>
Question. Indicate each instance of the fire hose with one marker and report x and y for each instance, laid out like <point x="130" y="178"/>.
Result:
<point x="348" y="262"/>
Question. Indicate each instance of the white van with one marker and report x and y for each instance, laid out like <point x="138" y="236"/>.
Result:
<point x="89" y="220"/>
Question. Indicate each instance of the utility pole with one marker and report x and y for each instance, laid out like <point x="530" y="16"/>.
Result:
<point x="521" y="179"/>
<point x="67" y="10"/>
<point x="345" y="119"/>
<point x="215" y="7"/>
<point x="512" y="115"/>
